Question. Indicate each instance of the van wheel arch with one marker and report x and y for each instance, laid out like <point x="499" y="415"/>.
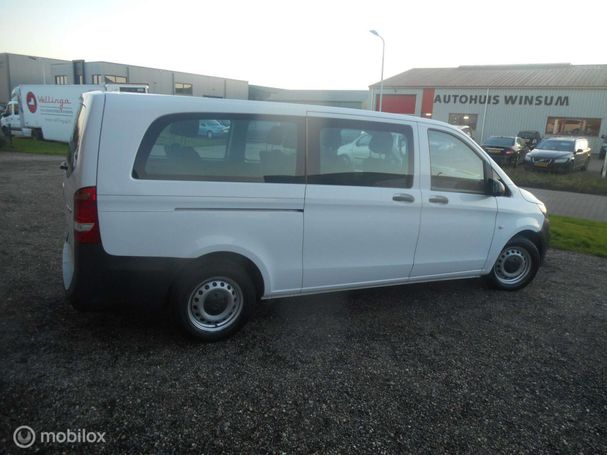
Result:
<point x="533" y="237"/>
<point x="227" y="257"/>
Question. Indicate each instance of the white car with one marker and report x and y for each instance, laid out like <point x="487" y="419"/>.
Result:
<point x="157" y="213"/>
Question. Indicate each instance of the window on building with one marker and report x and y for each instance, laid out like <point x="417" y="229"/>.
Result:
<point x="464" y="119"/>
<point x="108" y="79"/>
<point x="60" y="80"/>
<point x="569" y="126"/>
<point x="183" y="88"/>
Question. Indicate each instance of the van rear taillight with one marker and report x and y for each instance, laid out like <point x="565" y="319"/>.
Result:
<point x="86" y="220"/>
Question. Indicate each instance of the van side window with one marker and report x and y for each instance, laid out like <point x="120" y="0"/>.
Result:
<point x="358" y="153"/>
<point x="241" y="148"/>
<point x="454" y="165"/>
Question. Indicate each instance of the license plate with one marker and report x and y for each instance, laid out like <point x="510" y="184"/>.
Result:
<point x="541" y="163"/>
<point x="495" y="151"/>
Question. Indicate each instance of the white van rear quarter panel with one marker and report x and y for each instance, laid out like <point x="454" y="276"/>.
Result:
<point x="188" y="219"/>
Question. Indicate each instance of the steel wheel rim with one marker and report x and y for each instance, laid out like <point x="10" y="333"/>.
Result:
<point x="215" y="304"/>
<point x="512" y="265"/>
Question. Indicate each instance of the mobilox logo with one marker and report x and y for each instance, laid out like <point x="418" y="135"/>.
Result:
<point x="32" y="102"/>
<point x="25" y="437"/>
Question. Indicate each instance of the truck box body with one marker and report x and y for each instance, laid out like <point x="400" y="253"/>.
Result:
<point x="49" y="111"/>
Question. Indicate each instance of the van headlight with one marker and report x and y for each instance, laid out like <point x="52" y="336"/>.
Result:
<point x="543" y="209"/>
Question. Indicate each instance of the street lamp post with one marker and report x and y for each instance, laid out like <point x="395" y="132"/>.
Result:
<point x="381" y="84"/>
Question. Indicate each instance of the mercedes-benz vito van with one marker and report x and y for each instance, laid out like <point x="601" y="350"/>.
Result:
<point x="159" y="211"/>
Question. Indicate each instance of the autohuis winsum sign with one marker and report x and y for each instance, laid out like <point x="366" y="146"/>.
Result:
<point x="518" y="100"/>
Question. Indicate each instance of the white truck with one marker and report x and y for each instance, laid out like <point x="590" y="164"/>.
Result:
<point x="49" y="111"/>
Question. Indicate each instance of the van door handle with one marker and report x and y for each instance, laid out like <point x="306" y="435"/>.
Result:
<point x="439" y="200"/>
<point x="401" y="197"/>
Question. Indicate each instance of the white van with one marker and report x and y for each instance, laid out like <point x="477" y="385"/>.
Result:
<point x="159" y="211"/>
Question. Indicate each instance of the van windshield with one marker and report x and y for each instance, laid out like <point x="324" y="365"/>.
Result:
<point x="561" y="146"/>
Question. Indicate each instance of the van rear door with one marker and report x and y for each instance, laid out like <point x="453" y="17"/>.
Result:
<point x="80" y="169"/>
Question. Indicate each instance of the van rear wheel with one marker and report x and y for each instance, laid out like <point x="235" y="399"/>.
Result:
<point x="516" y="265"/>
<point x="213" y="302"/>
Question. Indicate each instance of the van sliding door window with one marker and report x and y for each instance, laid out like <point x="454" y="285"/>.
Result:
<point x="357" y="153"/>
<point x="235" y="148"/>
<point x="454" y="166"/>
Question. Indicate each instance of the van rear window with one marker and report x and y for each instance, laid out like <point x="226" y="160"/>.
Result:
<point x="218" y="147"/>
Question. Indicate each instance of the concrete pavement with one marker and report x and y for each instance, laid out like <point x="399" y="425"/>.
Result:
<point x="588" y="206"/>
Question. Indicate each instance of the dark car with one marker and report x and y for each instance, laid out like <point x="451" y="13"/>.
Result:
<point x="560" y="154"/>
<point x="532" y="138"/>
<point x="507" y="150"/>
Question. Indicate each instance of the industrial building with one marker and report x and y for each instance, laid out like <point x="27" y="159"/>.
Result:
<point x="355" y="99"/>
<point x="554" y="99"/>
<point x="18" y="69"/>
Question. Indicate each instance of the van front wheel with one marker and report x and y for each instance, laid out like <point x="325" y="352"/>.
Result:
<point x="213" y="303"/>
<point x="516" y="265"/>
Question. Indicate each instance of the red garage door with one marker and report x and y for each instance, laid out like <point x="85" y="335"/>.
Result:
<point x="398" y="104"/>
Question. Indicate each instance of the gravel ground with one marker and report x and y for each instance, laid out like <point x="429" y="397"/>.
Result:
<point x="439" y="368"/>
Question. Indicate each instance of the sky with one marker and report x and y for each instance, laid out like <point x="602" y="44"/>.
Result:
<point x="307" y="44"/>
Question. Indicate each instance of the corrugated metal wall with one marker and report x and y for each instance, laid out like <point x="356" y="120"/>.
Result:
<point x="511" y="110"/>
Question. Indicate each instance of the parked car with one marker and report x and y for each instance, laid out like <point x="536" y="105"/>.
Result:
<point x="532" y="138"/>
<point x="560" y="154"/>
<point x="506" y="150"/>
<point x="212" y="128"/>
<point x="466" y="130"/>
<point x="157" y="214"/>
<point x="358" y="151"/>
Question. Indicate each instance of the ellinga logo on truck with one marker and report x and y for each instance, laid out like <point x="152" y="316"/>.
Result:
<point x="32" y="104"/>
<point x="49" y="111"/>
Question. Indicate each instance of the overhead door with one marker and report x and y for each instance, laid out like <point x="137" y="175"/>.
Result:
<point x="397" y="104"/>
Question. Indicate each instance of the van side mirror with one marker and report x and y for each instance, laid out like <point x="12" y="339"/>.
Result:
<point x="495" y="188"/>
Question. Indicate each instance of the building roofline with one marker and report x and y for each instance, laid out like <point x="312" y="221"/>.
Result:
<point x="164" y="69"/>
<point x="522" y="72"/>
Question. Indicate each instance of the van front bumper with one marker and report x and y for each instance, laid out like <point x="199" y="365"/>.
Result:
<point x="544" y="238"/>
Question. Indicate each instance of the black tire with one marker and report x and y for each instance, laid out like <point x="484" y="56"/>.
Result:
<point x="516" y="265"/>
<point x="213" y="301"/>
<point x="37" y="134"/>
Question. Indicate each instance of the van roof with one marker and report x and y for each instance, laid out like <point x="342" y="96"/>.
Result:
<point x="257" y="107"/>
